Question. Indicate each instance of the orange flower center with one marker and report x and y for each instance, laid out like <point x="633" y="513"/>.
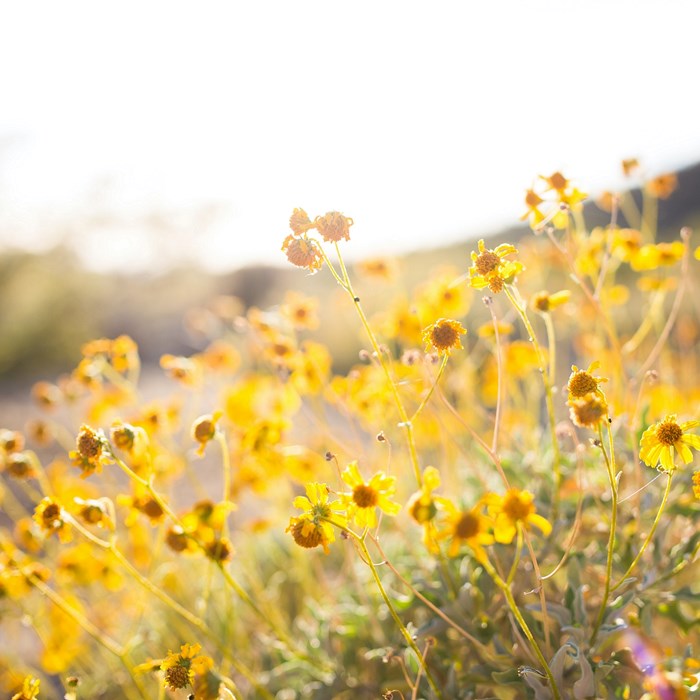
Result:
<point x="311" y="539"/>
<point x="177" y="677"/>
<point x="365" y="496"/>
<point x="668" y="433"/>
<point x="487" y="262"/>
<point x="582" y="383"/>
<point x="51" y="514"/>
<point x="89" y="445"/>
<point x="467" y="526"/>
<point x="444" y="336"/>
<point x="516" y="508"/>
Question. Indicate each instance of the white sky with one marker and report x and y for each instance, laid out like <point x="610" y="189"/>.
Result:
<point x="424" y="121"/>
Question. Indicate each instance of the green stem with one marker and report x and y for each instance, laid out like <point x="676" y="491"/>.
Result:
<point x="443" y="364"/>
<point x="610" y="464"/>
<point x="649" y="536"/>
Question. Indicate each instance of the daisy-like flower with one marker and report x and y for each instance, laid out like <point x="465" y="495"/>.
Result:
<point x="51" y="518"/>
<point x="180" y="668"/>
<point x="582" y="382"/>
<point x="312" y="528"/>
<point x="30" y="689"/>
<point x="367" y="496"/>
<point x="303" y="252"/>
<point x="333" y="226"/>
<point x="514" y="507"/>
<point x="94" y="511"/>
<point x="490" y="269"/>
<point x="470" y="527"/>
<point x="92" y="452"/>
<point x="589" y="410"/>
<point x="662" y="440"/>
<point x="443" y="336"/>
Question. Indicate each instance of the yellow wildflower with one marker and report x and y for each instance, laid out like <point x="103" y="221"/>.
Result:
<point x="204" y="430"/>
<point x="92" y="452"/>
<point x="513" y="508"/>
<point x="662" y="186"/>
<point x="532" y="202"/>
<point x="544" y="301"/>
<point x="303" y="252"/>
<point x="443" y="336"/>
<point x="490" y="269"/>
<point x="486" y="330"/>
<point x="312" y="528"/>
<point x="30" y="689"/>
<point x="367" y="496"/>
<point x="653" y="256"/>
<point x="588" y="410"/>
<point x="301" y="311"/>
<point x="94" y="511"/>
<point x="661" y="440"/>
<point x="52" y="519"/>
<point x="468" y="527"/>
<point x="299" y="222"/>
<point x="180" y="668"/>
<point x="423" y="506"/>
<point x="333" y="226"/>
<point x="582" y="382"/>
<point x="187" y="370"/>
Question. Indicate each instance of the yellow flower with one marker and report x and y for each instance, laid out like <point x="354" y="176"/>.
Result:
<point x="333" y="226"/>
<point x="589" y="410"/>
<point x="95" y="511"/>
<point x="532" y="202"/>
<point x="490" y="269"/>
<point x="303" y="252"/>
<point x="51" y="518"/>
<point x="30" y="689"/>
<point x="468" y="527"/>
<point x="443" y="336"/>
<point x="180" y="668"/>
<point x="487" y="330"/>
<point x="312" y="528"/>
<point x="544" y="301"/>
<point x="187" y="370"/>
<point x="92" y="452"/>
<point x="301" y="311"/>
<point x="366" y="497"/>
<point x="582" y="382"/>
<point x="661" y="439"/>
<point x="662" y="186"/>
<point x="204" y="430"/>
<point x="299" y="222"/>
<point x="423" y="506"/>
<point x="652" y="256"/>
<point x="513" y="508"/>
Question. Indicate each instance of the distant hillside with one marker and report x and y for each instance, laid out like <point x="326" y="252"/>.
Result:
<point x="50" y="305"/>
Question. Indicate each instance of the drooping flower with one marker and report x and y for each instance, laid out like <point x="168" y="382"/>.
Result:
<point x="442" y="336"/>
<point x="662" y="440"/>
<point x="366" y="496"/>
<point x="303" y="252"/>
<point x="513" y="508"/>
<point x="92" y="451"/>
<point x="589" y="410"/>
<point x="313" y="527"/>
<point x="204" y="430"/>
<point x="490" y="269"/>
<point x="333" y="226"/>
<point x="470" y="527"/>
<point x="299" y="222"/>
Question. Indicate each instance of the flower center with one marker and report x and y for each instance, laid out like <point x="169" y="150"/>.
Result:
<point x="581" y="384"/>
<point x="365" y="496"/>
<point x="89" y="446"/>
<point x="177" y="677"/>
<point x="444" y="336"/>
<point x="668" y="433"/>
<point x="309" y="539"/>
<point x="516" y="508"/>
<point x="487" y="262"/>
<point x="467" y="526"/>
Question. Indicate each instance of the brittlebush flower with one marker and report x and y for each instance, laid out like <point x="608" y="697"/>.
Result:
<point x="490" y="269"/>
<point x="589" y="410"/>
<point x="514" y="508"/>
<point x="582" y="382"/>
<point x="544" y="302"/>
<point x="303" y="252"/>
<point x="30" y="689"/>
<point x="367" y="496"/>
<point x="180" y="668"/>
<point x="312" y="528"/>
<point x="92" y="452"/>
<point x="51" y="518"/>
<point x="299" y="222"/>
<point x="470" y="527"/>
<point x="662" y="440"/>
<point x="204" y="430"/>
<point x="423" y="507"/>
<point x="443" y="336"/>
<point x="333" y="226"/>
<point x="653" y="256"/>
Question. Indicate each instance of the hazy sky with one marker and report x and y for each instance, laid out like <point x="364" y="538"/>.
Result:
<point x="425" y="122"/>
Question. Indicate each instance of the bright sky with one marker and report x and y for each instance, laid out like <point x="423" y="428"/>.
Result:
<point x="425" y="122"/>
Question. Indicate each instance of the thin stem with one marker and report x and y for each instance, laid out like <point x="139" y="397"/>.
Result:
<point x="425" y="400"/>
<point x="516" y="558"/>
<point x="499" y="377"/>
<point x="226" y="463"/>
<point x="551" y="347"/>
<point x="523" y="625"/>
<point x="649" y="536"/>
<point x="406" y="634"/>
<point x="610" y="464"/>
<point x="543" y="599"/>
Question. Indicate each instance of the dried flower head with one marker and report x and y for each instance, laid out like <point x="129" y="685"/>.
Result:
<point x="491" y="269"/>
<point x="333" y="226"/>
<point x="299" y="222"/>
<point x="303" y="252"/>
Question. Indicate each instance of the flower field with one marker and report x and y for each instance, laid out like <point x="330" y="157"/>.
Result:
<point x="498" y="499"/>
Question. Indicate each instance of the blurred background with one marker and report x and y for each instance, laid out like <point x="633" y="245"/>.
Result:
<point x="151" y="153"/>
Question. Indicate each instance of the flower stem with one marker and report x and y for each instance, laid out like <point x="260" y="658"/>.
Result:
<point x="649" y="536"/>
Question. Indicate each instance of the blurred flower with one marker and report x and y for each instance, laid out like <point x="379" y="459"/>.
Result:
<point x="299" y="222"/>
<point x="51" y="518"/>
<point x="300" y="310"/>
<point x="468" y="527"/>
<point x="30" y="689"/>
<point x="180" y="668"/>
<point x="92" y="452"/>
<point x="662" y="186"/>
<point x="660" y="440"/>
<point x="653" y="256"/>
<point x="333" y="226"/>
<point x="367" y="496"/>
<point x="587" y="411"/>
<point x="513" y="508"/>
<point x="544" y="301"/>
<point x="312" y="528"/>
<point x="303" y="252"/>
<point x="204" y="430"/>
